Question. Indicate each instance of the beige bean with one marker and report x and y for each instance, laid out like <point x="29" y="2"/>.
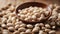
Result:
<point x="4" y="20"/>
<point x="47" y="26"/>
<point x="29" y="26"/>
<point x="4" y="26"/>
<point x="11" y="29"/>
<point x="16" y="32"/>
<point x="41" y="24"/>
<point x="52" y="23"/>
<point x="58" y="23"/>
<point x="53" y="27"/>
<point x="23" y="25"/>
<point x="12" y="8"/>
<point x="18" y="23"/>
<point x="5" y="32"/>
<point x="28" y="31"/>
<point x="37" y="25"/>
<point x="22" y="29"/>
<point x="10" y="24"/>
<point x="43" y="28"/>
<point x="47" y="30"/>
<point x="22" y="33"/>
<point x="41" y="32"/>
<point x="36" y="29"/>
<point x="17" y="26"/>
<point x="52" y="32"/>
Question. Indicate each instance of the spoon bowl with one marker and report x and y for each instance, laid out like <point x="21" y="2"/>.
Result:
<point x="33" y="4"/>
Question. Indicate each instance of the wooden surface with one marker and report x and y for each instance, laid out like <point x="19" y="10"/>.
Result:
<point x="18" y="2"/>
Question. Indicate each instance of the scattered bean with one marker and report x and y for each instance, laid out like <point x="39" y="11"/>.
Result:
<point x="28" y="31"/>
<point x="29" y="26"/>
<point x="22" y="29"/>
<point x="22" y="33"/>
<point x="10" y="24"/>
<point x="11" y="29"/>
<point x="36" y="29"/>
<point x="4" y="26"/>
<point x="47" y="26"/>
<point x="52" y="32"/>
<point x="23" y="25"/>
<point x="16" y="32"/>
<point x="5" y="32"/>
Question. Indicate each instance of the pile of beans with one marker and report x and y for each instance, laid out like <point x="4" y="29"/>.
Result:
<point x="10" y="24"/>
<point x="33" y="14"/>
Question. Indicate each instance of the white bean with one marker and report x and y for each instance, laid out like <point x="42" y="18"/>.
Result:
<point x="18" y="23"/>
<point x="41" y="24"/>
<point x="53" y="27"/>
<point x="16" y="32"/>
<point x="22" y="33"/>
<point x="5" y="32"/>
<point x="23" y="25"/>
<point x="29" y="26"/>
<point x="11" y="29"/>
<point x="36" y="29"/>
<point x="37" y="25"/>
<point x="47" y="26"/>
<point x="17" y="26"/>
<point x="10" y="24"/>
<point x="28" y="31"/>
<point x="52" y="32"/>
<point x="47" y="30"/>
<point x="4" y="26"/>
<point x="41" y="32"/>
<point x="22" y="29"/>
